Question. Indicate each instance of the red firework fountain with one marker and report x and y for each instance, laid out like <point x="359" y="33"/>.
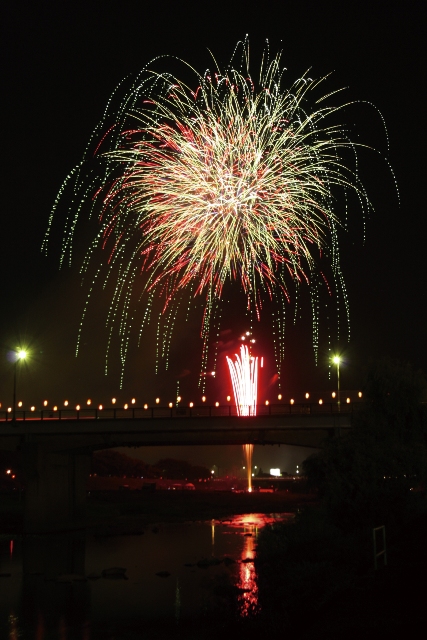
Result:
<point x="244" y="378"/>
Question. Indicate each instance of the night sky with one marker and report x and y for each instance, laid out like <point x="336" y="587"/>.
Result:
<point x="60" y="63"/>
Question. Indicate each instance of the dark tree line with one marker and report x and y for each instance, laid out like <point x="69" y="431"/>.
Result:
<point x="112" y="463"/>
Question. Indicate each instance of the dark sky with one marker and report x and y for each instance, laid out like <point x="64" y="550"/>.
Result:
<point x="60" y="63"/>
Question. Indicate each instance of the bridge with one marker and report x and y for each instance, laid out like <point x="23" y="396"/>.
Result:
<point x="56" y="444"/>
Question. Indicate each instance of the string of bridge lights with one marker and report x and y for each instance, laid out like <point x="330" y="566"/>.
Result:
<point x="178" y="402"/>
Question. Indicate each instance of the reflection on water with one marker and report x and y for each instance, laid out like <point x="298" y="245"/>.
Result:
<point x="52" y="587"/>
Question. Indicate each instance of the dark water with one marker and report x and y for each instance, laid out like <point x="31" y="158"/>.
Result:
<point x="56" y="590"/>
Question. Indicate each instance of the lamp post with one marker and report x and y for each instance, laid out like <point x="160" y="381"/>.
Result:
<point x="336" y="360"/>
<point x="20" y="354"/>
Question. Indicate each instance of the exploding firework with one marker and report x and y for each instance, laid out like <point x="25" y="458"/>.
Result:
<point x="225" y="179"/>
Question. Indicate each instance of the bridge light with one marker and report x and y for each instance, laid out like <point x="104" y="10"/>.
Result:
<point x="279" y="397"/>
<point x="348" y="400"/>
<point x="267" y="402"/>
<point x="20" y="403"/>
<point x="228" y="398"/>
<point x="203" y="398"/>
<point x="145" y="406"/>
<point x="320" y="401"/>
<point x="360" y="394"/>
<point x="113" y="400"/>
<point x="55" y="408"/>
<point x="9" y="409"/>
<point x="170" y="405"/>
<point x="157" y="400"/>
<point x="88" y="401"/>
<point x="292" y="401"/>
<point x="334" y="395"/>
<point x="126" y="406"/>
<point x="217" y="404"/>
<point x="32" y="408"/>
<point x="65" y="403"/>
<point x="307" y="395"/>
<point x="100" y="407"/>
<point x="191" y="404"/>
<point x="45" y="403"/>
<point x="133" y="400"/>
<point x="77" y="407"/>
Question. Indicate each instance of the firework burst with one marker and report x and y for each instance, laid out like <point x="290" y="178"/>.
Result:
<point x="225" y="178"/>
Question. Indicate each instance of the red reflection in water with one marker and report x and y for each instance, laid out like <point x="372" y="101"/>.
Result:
<point x="247" y="579"/>
<point x="11" y="548"/>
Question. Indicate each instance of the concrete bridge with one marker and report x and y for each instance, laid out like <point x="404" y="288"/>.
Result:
<point x="56" y="445"/>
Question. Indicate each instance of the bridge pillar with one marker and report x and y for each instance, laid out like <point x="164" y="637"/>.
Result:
<point x="55" y="491"/>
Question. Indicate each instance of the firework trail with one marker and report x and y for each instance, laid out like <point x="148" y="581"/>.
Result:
<point x="244" y="378"/>
<point x="223" y="179"/>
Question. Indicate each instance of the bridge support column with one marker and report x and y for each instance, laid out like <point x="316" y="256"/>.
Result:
<point x="55" y="493"/>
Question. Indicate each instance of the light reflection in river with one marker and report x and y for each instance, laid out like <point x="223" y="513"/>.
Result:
<point x="35" y="604"/>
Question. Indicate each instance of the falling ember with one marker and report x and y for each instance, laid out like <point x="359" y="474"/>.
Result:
<point x="244" y="378"/>
<point x="248" y="450"/>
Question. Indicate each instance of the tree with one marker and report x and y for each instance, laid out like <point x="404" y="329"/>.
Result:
<point x="367" y="476"/>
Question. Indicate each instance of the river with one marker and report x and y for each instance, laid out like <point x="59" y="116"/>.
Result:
<point x="59" y="587"/>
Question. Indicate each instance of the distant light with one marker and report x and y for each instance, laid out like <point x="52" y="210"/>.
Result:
<point x="348" y="400"/>
<point x="170" y="405"/>
<point x="178" y="398"/>
<point x="334" y="395"/>
<point x="336" y="359"/>
<point x="292" y="401"/>
<point x="9" y="409"/>
<point x="113" y="400"/>
<point x="133" y="400"/>
<point x="279" y="397"/>
<point x="307" y="395"/>
<point x="145" y="406"/>
<point x="203" y="398"/>
<point x="248" y="333"/>
<point x="243" y="338"/>
<point x="244" y="467"/>
<point x="212" y="471"/>
<point x="21" y="354"/>
<point x="320" y="401"/>
<point x="217" y="404"/>
<point x="228" y="398"/>
<point x="191" y="404"/>
<point x="20" y="403"/>
<point x="253" y="340"/>
<point x="88" y="401"/>
<point x="267" y="402"/>
<point x="8" y="471"/>
<point x="213" y="373"/>
<point x="32" y="408"/>
<point x="275" y="472"/>
<point x="253" y="475"/>
<point x="65" y="403"/>
<point x="100" y="407"/>
<point x="45" y="403"/>
<point x="360" y="394"/>
<point x="262" y="362"/>
<point x="157" y="400"/>
<point x="126" y="406"/>
<point x="55" y="408"/>
<point x="77" y="407"/>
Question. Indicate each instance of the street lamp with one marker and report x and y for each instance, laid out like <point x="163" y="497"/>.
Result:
<point x="20" y="354"/>
<point x="336" y="360"/>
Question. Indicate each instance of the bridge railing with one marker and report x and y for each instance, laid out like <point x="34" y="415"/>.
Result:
<point x="177" y="412"/>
